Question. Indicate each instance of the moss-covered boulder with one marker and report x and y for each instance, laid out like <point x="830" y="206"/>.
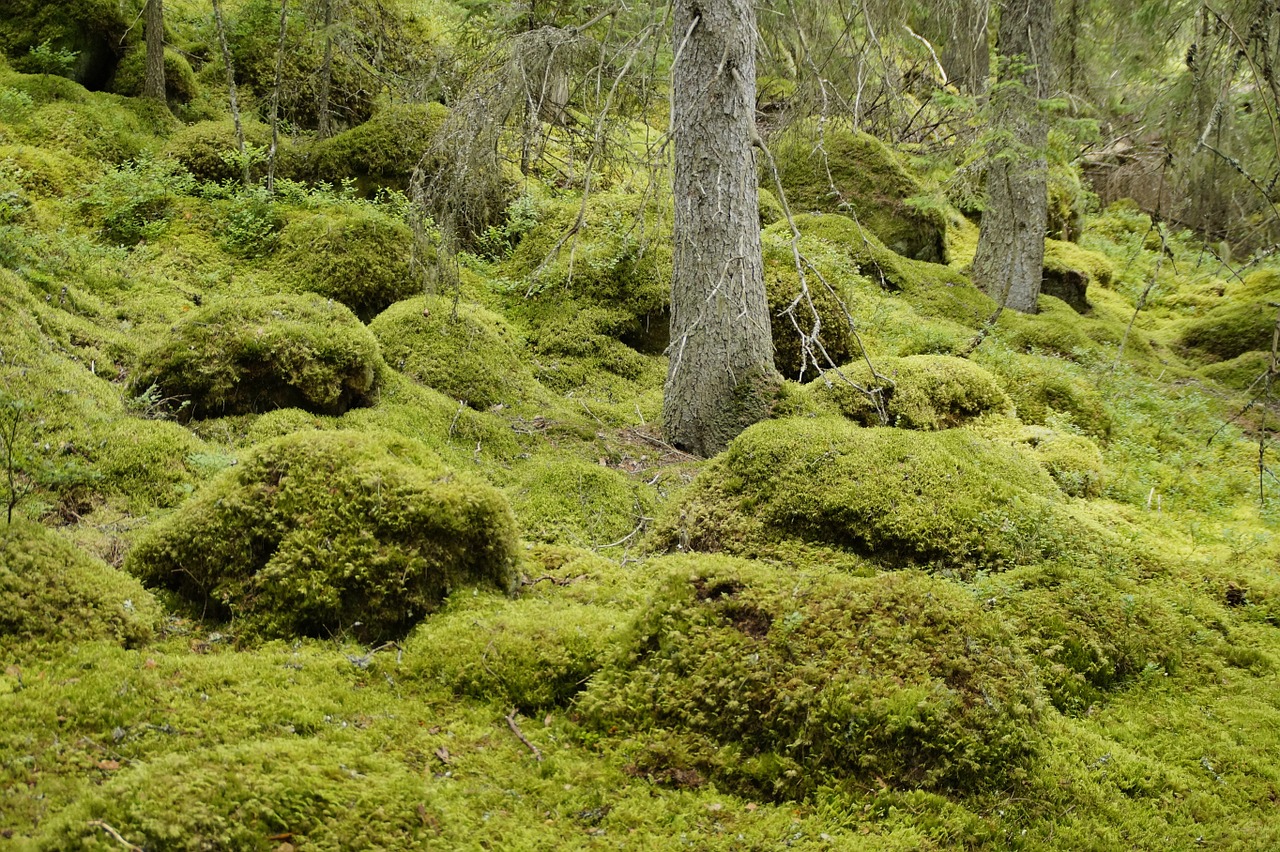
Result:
<point x="1069" y="270"/>
<point x="331" y="532"/>
<point x="1042" y="386"/>
<point x="385" y="149"/>
<point x="1074" y="461"/>
<point x="774" y="686"/>
<point x="259" y="353"/>
<point x="1240" y="373"/>
<point x="1243" y="322"/>
<point x="205" y="147"/>
<point x="462" y="350"/>
<point x="52" y="592"/>
<point x="179" y="80"/>
<point x="356" y="255"/>
<point x="575" y="502"/>
<point x="948" y="500"/>
<point x="916" y="392"/>
<point x="855" y="174"/>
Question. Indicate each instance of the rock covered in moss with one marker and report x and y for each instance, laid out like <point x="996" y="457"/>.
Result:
<point x="354" y="254"/>
<point x="52" y="592"/>
<point x="179" y="80"/>
<point x="773" y="685"/>
<point x="576" y="502"/>
<point x="1042" y="386"/>
<point x="1074" y="461"/>
<point x="260" y="353"/>
<point x="201" y="147"/>
<point x="1240" y="324"/>
<point x="326" y="532"/>
<point x="1069" y="270"/>
<point x="462" y="350"/>
<point x="947" y="500"/>
<point x="856" y="174"/>
<point x="916" y="392"/>
<point x="387" y="147"/>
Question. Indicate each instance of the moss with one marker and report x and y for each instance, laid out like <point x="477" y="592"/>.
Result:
<point x="179" y="80"/>
<point x="45" y="173"/>
<point x="918" y="392"/>
<point x="285" y="421"/>
<point x="462" y="350"/>
<point x="575" y="502"/>
<point x="533" y="654"/>
<point x="322" y="533"/>
<point x="854" y="173"/>
<point x="1074" y="461"/>
<point x="949" y="499"/>
<point x="263" y="352"/>
<point x="52" y="592"/>
<point x="1240" y="373"/>
<point x="1069" y="270"/>
<point x="319" y="794"/>
<point x="1241" y="323"/>
<point x="1043" y="385"/>
<point x="356" y="255"/>
<point x="775" y="686"/>
<point x="149" y="462"/>
<point x="388" y="147"/>
<point x="203" y="148"/>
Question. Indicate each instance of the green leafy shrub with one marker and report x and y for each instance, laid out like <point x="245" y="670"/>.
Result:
<point x="135" y="201"/>
<point x="922" y="392"/>
<point x="949" y="499"/>
<point x="321" y="533"/>
<point x="460" y="349"/>
<point x="356" y="255"/>
<point x="250" y="224"/>
<point x="775" y="686"/>
<point x="257" y="353"/>
<point x="575" y="502"/>
<point x="52" y="592"/>
<point x="43" y="58"/>
<point x="179" y="80"/>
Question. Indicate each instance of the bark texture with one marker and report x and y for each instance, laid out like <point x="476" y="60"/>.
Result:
<point x="721" y="376"/>
<point x="1010" y="259"/>
<point x="153" y="82"/>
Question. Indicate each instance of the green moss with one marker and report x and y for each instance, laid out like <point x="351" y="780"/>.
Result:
<point x="775" y="686"/>
<point x="204" y="148"/>
<point x="460" y="349"/>
<point x="150" y="462"/>
<point x="575" y="502"/>
<point x="52" y="592"/>
<point x="917" y="392"/>
<point x="946" y="499"/>
<point x="388" y="147"/>
<point x="1043" y="385"/>
<point x="179" y="80"/>
<point x="325" y="533"/>
<point x="285" y="421"/>
<point x="45" y="173"/>
<point x="1240" y="323"/>
<point x="1240" y="373"/>
<point x="1074" y="461"/>
<point x="263" y="352"/>
<point x="356" y="255"/>
<point x="855" y="174"/>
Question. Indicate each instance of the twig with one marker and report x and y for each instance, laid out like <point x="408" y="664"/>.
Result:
<point x="97" y="823"/>
<point x="515" y="729"/>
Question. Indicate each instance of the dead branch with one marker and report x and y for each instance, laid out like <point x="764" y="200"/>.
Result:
<point x="515" y="729"/>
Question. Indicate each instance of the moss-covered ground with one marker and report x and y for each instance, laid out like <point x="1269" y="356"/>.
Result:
<point x="312" y="551"/>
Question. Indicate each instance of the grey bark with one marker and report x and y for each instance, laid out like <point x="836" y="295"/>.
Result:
<point x="721" y="376"/>
<point x="1010" y="259"/>
<point x="231" y="88"/>
<point x="325" y="128"/>
<point x="153" y="85"/>
<point x="275" y="97"/>
<point x="965" y="56"/>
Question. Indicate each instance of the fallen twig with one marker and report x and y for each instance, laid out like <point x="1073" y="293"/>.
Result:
<point x="97" y="823"/>
<point x="515" y="729"/>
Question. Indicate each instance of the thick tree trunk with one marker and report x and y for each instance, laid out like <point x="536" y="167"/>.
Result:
<point x="721" y="376"/>
<point x="153" y="82"/>
<point x="1010" y="258"/>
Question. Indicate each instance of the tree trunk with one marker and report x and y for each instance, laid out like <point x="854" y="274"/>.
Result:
<point x="325" y="128"/>
<point x="153" y="83"/>
<point x="721" y="376"/>
<point x="1010" y="259"/>
<point x="231" y="88"/>
<point x="275" y="97"/>
<point x="965" y="56"/>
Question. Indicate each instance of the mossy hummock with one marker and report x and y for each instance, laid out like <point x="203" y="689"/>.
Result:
<point x="332" y="532"/>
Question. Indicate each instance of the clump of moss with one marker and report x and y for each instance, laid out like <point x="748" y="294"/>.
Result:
<point x="853" y="173"/>
<point x="1044" y="385"/>
<point x="204" y="148"/>
<point x="52" y="592"/>
<point x="1240" y="324"/>
<point x="949" y="500"/>
<point x="263" y="352"/>
<point x="321" y="794"/>
<point x="1069" y="270"/>
<point x="321" y="533"/>
<point x="1240" y="373"/>
<point x="1074" y="461"/>
<point x="776" y="686"/>
<point x="179" y="80"/>
<point x="387" y="147"/>
<point x="460" y="349"/>
<point x="531" y="654"/>
<point x="356" y="255"/>
<point x="917" y="392"/>
<point x="147" y="461"/>
<point x="1089" y="632"/>
<point x="45" y="173"/>
<point x="574" y="502"/>
<point x="285" y="421"/>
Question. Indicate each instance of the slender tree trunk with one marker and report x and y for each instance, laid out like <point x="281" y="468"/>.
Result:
<point x="965" y="56"/>
<point x="721" y="375"/>
<point x="325" y="128"/>
<point x="231" y="88"/>
<point x="153" y="83"/>
<point x="275" y="97"/>
<point x="1009" y="263"/>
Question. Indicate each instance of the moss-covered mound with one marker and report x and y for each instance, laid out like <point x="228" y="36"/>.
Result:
<point x="1069" y="270"/>
<point x="948" y="499"/>
<point x="1241" y="324"/>
<point x="1241" y="373"/>
<point x="855" y="174"/>
<point x="179" y="80"/>
<point x="320" y="794"/>
<point x="387" y="147"/>
<point x="204" y="148"/>
<point x="462" y="350"/>
<point x="321" y="533"/>
<point x="260" y="353"/>
<point x="774" y="686"/>
<point x="52" y="592"/>
<point x="1074" y="461"/>
<point x="916" y="392"/>
<point x="575" y="502"/>
<point x="356" y="255"/>
<point x="1042" y="386"/>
